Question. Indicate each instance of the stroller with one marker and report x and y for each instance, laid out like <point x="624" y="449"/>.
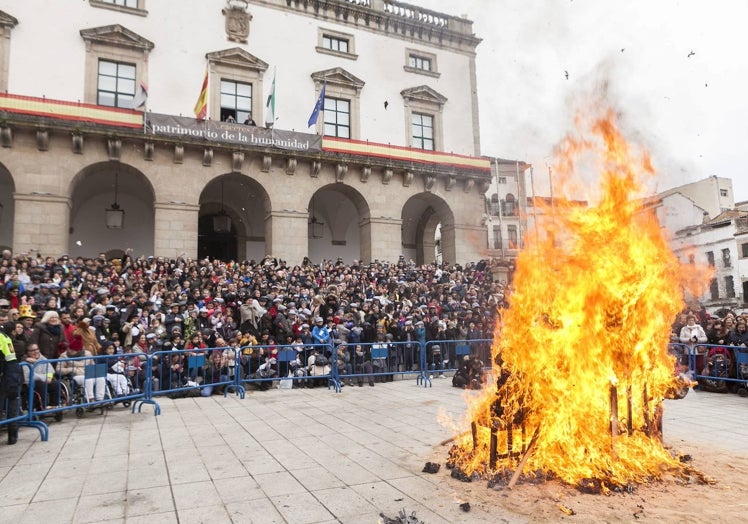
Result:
<point x="717" y="367"/>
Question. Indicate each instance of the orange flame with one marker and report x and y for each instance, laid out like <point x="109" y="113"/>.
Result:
<point x="595" y="293"/>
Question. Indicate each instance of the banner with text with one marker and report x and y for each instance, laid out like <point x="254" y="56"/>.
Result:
<point x="231" y="133"/>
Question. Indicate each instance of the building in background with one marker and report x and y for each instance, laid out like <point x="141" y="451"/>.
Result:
<point x="371" y="169"/>
<point x="705" y="226"/>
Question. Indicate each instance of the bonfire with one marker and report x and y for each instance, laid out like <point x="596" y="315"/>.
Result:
<point x="580" y="356"/>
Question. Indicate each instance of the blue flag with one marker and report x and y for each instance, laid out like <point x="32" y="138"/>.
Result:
<point x="319" y="106"/>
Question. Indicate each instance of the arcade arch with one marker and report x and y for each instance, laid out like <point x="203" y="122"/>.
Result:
<point x="337" y="225"/>
<point x="92" y="191"/>
<point x="427" y="218"/>
<point x="246" y="205"/>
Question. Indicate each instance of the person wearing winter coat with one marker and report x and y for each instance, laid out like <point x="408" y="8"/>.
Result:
<point x="692" y="334"/>
<point x="47" y="334"/>
<point x="94" y="388"/>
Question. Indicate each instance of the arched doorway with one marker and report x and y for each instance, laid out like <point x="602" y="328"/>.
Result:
<point x="112" y="207"/>
<point x="427" y="229"/>
<point x="231" y="225"/>
<point x="334" y="225"/>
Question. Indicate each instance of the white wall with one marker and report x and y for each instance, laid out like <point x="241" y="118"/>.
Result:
<point x="184" y="31"/>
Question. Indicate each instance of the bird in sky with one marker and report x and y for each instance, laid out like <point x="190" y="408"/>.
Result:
<point x="691" y="54"/>
<point x="566" y="74"/>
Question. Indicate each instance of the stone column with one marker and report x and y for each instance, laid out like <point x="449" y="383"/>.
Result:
<point x="381" y="238"/>
<point x="175" y="229"/>
<point x="41" y="224"/>
<point x="287" y="236"/>
<point x="461" y="244"/>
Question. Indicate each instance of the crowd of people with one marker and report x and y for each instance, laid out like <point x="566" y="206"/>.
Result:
<point x="709" y="346"/>
<point x="73" y="306"/>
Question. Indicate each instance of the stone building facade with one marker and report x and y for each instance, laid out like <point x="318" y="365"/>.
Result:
<point x="393" y="159"/>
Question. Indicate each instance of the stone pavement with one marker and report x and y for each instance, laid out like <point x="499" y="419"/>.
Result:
<point x="296" y="456"/>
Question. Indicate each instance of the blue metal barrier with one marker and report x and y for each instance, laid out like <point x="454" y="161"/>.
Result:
<point x="741" y="370"/>
<point x="14" y="414"/>
<point x="187" y="372"/>
<point x="714" y="366"/>
<point x="56" y="386"/>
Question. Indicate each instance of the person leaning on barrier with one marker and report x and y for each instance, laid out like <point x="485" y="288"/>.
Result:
<point x="10" y="382"/>
<point x="215" y="371"/>
<point x="345" y="365"/>
<point x="362" y="359"/>
<point x="691" y="334"/>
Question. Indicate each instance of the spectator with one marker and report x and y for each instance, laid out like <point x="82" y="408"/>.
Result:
<point x="94" y="388"/>
<point x="215" y="371"/>
<point x="44" y="377"/>
<point x="48" y="334"/>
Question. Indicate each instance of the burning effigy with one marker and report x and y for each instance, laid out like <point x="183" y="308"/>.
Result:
<point x="580" y="356"/>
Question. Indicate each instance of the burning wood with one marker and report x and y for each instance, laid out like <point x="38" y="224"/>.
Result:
<point x="582" y="350"/>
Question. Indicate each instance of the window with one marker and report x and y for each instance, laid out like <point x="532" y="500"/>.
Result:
<point x="235" y="85"/>
<point x="236" y="100"/>
<point x="422" y="129"/>
<point x="513" y="238"/>
<point x="729" y="287"/>
<point x="123" y="3"/>
<point x="335" y="43"/>
<point x="116" y="85"/>
<point x="744" y="250"/>
<point x="420" y="62"/>
<point x="342" y="103"/>
<point x="508" y="208"/>
<point x="726" y="257"/>
<point x="502" y="180"/>
<point x="423" y="109"/>
<point x="710" y="258"/>
<point x="116" y="62"/>
<point x="497" y="237"/>
<point x="135" y="7"/>
<point x="714" y="289"/>
<point x="494" y="206"/>
<point x="723" y="192"/>
<point x="337" y="117"/>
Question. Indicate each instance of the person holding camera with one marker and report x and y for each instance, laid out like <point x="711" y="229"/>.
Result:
<point x="691" y="335"/>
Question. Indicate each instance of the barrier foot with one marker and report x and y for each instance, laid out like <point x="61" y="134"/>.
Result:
<point x="424" y="378"/>
<point x="335" y="384"/>
<point x="139" y="404"/>
<point x="39" y="425"/>
<point x="238" y="390"/>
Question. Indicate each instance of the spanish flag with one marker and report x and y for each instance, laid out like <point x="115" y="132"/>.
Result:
<point x="201" y="107"/>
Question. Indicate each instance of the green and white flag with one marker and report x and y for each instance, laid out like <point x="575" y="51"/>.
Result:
<point x="270" y="105"/>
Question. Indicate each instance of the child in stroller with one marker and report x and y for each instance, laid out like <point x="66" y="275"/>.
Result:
<point x="717" y="367"/>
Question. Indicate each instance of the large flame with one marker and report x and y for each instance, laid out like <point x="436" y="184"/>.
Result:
<point x="595" y="292"/>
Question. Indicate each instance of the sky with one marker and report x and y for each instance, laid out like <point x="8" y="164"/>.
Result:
<point x="676" y="72"/>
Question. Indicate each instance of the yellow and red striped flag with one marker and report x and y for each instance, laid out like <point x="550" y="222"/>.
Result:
<point x="201" y="107"/>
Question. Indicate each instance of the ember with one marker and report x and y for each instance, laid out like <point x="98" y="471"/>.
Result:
<point x="581" y="354"/>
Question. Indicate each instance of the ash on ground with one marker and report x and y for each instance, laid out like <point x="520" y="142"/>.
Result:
<point x="402" y="518"/>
